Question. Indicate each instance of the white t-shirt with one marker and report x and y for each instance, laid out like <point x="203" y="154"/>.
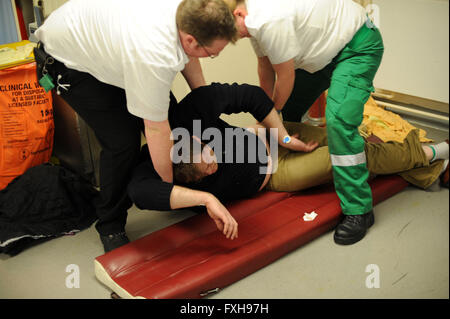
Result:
<point x="312" y="32"/>
<point x="131" y="44"/>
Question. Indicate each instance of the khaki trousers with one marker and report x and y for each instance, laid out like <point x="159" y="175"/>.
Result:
<point x="297" y="170"/>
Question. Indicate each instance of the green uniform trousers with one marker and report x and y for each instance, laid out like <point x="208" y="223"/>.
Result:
<point x="298" y="170"/>
<point x="349" y="79"/>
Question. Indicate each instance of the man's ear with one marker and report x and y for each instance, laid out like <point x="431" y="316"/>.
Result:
<point x="240" y="12"/>
<point x="191" y="41"/>
<point x="188" y="41"/>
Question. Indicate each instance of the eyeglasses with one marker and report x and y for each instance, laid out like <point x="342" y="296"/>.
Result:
<point x="212" y="56"/>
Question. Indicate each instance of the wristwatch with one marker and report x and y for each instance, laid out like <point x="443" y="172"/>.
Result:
<point x="286" y="139"/>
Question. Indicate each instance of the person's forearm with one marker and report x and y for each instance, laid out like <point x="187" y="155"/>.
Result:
<point x="182" y="197"/>
<point x="193" y="73"/>
<point x="272" y="120"/>
<point x="284" y="83"/>
<point x="266" y="76"/>
<point x="282" y="91"/>
<point x="160" y="146"/>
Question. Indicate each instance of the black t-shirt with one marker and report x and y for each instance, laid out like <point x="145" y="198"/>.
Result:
<point x="242" y="156"/>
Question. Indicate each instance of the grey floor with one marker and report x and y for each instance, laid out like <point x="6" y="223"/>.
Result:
<point x="408" y="248"/>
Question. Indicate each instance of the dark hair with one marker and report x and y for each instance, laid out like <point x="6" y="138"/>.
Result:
<point x="206" y="20"/>
<point x="185" y="171"/>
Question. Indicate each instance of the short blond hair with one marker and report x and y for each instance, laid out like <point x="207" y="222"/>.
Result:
<point x="206" y="20"/>
<point x="232" y="4"/>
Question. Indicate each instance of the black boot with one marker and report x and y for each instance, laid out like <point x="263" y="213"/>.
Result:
<point x="114" y="241"/>
<point x="353" y="228"/>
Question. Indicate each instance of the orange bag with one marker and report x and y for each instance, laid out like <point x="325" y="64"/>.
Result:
<point x="26" y="122"/>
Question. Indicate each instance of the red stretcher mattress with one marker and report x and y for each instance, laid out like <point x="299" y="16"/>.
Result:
<point x="191" y="258"/>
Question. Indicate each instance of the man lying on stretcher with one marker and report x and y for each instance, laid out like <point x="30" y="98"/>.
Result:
<point x="233" y="163"/>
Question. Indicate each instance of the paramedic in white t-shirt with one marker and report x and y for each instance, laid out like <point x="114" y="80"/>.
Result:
<point x="114" y="63"/>
<point x="305" y="47"/>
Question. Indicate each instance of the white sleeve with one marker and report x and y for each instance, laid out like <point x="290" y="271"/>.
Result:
<point x="147" y="88"/>
<point x="256" y="47"/>
<point x="278" y="41"/>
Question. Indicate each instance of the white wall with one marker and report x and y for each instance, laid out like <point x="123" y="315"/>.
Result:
<point x="48" y="6"/>
<point x="236" y="63"/>
<point x="416" y="39"/>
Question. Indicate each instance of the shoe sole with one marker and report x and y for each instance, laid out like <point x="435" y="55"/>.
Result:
<point x="348" y="241"/>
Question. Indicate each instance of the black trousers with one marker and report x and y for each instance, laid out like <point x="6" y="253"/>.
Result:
<point x="307" y="89"/>
<point x="103" y="108"/>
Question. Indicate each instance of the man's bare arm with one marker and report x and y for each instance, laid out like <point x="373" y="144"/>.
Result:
<point x="284" y="83"/>
<point x="182" y="197"/>
<point x="272" y="120"/>
<point x="159" y="144"/>
<point x="266" y="75"/>
<point x="193" y="73"/>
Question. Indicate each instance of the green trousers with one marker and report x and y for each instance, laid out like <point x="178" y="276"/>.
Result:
<point x="349" y="80"/>
<point x="297" y="170"/>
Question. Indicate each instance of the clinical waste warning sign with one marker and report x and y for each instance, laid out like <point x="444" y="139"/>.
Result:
<point x="26" y="122"/>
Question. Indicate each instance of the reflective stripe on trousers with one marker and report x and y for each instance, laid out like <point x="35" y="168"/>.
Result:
<point x="348" y="160"/>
